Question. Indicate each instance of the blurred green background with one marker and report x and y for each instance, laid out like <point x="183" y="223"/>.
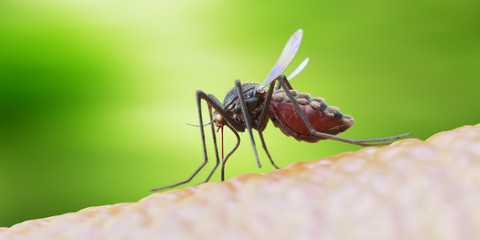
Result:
<point x="95" y="95"/>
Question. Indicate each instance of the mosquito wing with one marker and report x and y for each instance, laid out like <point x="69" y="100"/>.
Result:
<point x="299" y="69"/>
<point x="285" y="58"/>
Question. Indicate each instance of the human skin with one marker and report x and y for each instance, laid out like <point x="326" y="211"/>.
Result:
<point x="411" y="189"/>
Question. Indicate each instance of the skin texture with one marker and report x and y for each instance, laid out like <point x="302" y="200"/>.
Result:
<point x="411" y="189"/>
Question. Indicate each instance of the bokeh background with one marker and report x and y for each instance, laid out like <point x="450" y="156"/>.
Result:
<point x="95" y="96"/>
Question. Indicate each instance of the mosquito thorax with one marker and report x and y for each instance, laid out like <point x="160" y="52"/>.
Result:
<point x="254" y="98"/>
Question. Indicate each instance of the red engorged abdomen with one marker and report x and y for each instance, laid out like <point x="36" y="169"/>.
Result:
<point x="289" y="116"/>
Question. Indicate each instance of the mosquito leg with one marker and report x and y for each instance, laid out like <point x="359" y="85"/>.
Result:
<point x="234" y="126"/>
<point x="224" y="161"/>
<point x="247" y="118"/>
<point x="216" y="148"/>
<point x="365" y="142"/>
<point x="263" y="115"/>
<point x="266" y="150"/>
<point x="384" y="138"/>
<point x="215" y="104"/>
<point x="205" y="156"/>
<point x="262" y="123"/>
<point x="286" y="82"/>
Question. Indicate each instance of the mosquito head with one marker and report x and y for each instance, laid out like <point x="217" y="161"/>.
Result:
<point x="218" y="119"/>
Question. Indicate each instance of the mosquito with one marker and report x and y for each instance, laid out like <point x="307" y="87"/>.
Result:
<point x="249" y="106"/>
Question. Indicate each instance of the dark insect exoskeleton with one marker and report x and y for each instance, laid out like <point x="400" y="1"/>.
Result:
<point x="249" y="106"/>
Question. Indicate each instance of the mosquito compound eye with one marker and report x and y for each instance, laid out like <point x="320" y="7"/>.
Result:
<point x="219" y="122"/>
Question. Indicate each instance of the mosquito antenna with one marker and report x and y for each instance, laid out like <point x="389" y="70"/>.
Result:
<point x="206" y="124"/>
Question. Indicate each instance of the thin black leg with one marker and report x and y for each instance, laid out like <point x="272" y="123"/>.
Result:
<point x="287" y="82"/>
<point x="266" y="150"/>
<point x="262" y="123"/>
<point x="263" y="115"/>
<point x="224" y="161"/>
<point x="199" y="96"/>
<point x="216" y="148"/>
<point x="363" y="142"/>
<point x="215" y="104"/>
<point x="247" y="118"/>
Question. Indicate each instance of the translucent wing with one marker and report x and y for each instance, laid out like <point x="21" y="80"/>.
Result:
<point x="299" y="69"/>
<point x="285" y="58"/>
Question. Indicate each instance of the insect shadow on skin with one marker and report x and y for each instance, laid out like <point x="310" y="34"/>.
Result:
<point x="249" y="106"/>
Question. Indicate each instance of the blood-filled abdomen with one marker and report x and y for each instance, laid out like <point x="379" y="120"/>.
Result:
<point x="323" y="118"/>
